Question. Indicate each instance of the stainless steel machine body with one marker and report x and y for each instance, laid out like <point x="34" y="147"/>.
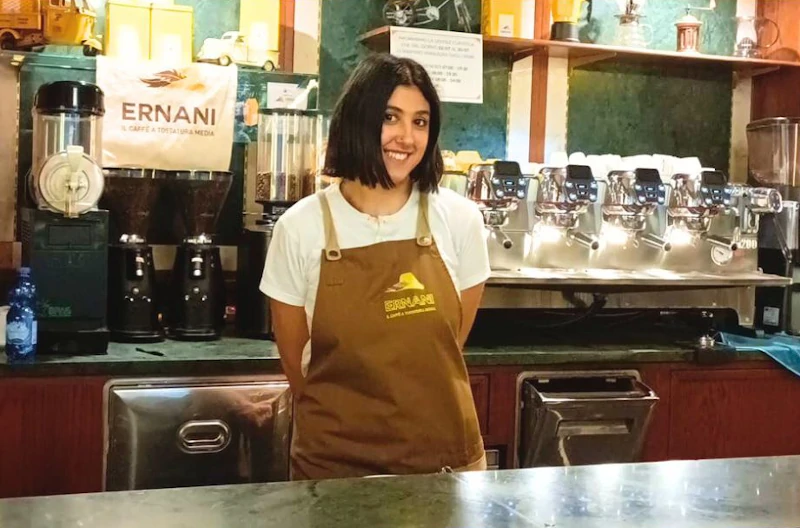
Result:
<point x="690" y="241"/>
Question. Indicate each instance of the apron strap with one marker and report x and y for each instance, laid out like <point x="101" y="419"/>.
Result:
<point x="424" y="237"/>
<point x="332" y="251"/>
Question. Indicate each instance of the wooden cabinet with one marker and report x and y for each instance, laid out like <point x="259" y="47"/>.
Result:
<point x="52" y="436"/>
<point x="52" y="428"/>
<point x="734" y="413"/>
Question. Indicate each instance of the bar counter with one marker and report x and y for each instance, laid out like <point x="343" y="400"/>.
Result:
<point x="230" y="356"/>
<point x="751" y="492"/>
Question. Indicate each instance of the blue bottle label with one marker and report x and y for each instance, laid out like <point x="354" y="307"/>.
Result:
<point x="34" y="332"/>
<point x="17" y="333"/>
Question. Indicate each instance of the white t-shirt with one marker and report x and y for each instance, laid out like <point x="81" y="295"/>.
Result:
<point x="291" y="272"/>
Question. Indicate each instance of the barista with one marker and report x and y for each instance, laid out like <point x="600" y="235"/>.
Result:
<point x="374" y="285"/>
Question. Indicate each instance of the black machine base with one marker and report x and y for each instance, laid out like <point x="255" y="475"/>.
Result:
<point x="193" y="334"/>
<point x="72" y="342"/>
<point x="134" y="336"/>
<point x="774" y="305"/>
<point x="566" y="31"/>
<point x="132" y="295"/>
<point x="196" y="309"/>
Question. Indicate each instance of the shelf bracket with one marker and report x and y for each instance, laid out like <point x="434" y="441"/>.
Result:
<point x="578" y="62"/>
<point x="742" y="75"/>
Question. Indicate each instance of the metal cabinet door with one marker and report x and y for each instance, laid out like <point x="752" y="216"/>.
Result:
<point x="196" y="432"/>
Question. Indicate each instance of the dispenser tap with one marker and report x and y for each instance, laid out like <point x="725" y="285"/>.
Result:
<point x="719" y="241"/>
<point x="504" y="240"/>
<point x="657" y="242"/>
<point x="587" y="241"/>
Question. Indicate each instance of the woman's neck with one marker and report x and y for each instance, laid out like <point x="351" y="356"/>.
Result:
<point x="377" y="201"/>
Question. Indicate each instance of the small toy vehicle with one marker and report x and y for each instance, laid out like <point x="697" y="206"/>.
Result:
<point x="233" y="47"/>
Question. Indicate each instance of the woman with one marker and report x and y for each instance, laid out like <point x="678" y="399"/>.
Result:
<point x="374" y="286"/>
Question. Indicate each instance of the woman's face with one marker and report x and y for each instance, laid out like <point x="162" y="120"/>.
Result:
<point x="404" y="137"/>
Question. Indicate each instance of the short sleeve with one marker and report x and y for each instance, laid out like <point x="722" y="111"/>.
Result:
<point x="473" y="253"/>
<point x="284" y="277"/>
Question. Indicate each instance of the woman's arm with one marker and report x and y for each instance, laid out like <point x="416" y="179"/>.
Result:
<point x="470" y="301"/>
<point x="291" y="334"/>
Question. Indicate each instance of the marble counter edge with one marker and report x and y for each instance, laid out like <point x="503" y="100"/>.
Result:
<point x="260" y="357"/>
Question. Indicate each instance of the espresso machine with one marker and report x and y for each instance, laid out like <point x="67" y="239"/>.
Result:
<point x="774" y="161"/>
<point x="133" y="301"/>
<point x="64" y="235"/>
<point x="196" y="307"/>
<point x="290" y="145"/>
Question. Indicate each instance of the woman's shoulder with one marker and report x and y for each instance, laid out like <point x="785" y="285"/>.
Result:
<point x="454" y="208"/>
<point x="304" y="217"/>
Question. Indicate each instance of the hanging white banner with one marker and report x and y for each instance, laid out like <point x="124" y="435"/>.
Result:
<point x="167" y="118"/>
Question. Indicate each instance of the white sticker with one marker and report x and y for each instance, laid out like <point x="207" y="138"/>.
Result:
<point x="772" y="315"/>
<point x="505" y="25"/>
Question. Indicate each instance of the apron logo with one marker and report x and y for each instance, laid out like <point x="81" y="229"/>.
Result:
<point x="411" y="304"/>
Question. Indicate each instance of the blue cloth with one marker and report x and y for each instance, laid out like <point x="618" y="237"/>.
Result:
<point x="783" y="348"/>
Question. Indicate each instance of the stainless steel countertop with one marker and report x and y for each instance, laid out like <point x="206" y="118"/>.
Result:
<point x="711" y="493"/>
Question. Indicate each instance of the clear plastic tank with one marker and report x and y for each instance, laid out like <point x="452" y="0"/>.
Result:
<point x="773" y="147"/>
<point x="288" y="154"/>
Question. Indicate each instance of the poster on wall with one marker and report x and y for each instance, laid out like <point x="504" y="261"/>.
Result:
<point x="170" y="119"/>
<point x="453" y="60"/>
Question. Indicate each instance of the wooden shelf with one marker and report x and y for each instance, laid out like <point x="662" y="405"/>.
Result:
<point x="580" y="54"/>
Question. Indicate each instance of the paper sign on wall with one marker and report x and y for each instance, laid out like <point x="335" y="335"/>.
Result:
<point x="453" y="60"/>
<point x="286" y="95"/>
<point x="167" y="118"/>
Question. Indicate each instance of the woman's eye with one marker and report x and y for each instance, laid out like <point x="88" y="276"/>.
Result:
<point x="422" y="123"/>
<point x="390" y="117"/>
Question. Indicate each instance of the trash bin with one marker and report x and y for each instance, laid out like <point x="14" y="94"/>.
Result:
<point x="571" y="418"/>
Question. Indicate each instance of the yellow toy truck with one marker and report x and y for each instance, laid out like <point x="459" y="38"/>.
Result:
<point x="25" y="24"/>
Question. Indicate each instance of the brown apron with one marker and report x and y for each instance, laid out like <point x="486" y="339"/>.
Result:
<point x="387" y="390"/>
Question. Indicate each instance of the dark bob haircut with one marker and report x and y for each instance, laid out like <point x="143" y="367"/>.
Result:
<point x="354" y="144"/>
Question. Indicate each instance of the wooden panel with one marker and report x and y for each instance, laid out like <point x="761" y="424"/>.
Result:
<point x="9" y="124"/>
<point x="480" y="393"/>
<point x="656" y="442"/>
<point x="775" y="94"/>
<point x="52" y="436"/>
<point x="287" y="36"/>
<point x="538" y="116"/>
<point x="734" y="413"/>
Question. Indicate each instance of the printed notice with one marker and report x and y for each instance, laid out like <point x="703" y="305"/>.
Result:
<point x="453" y="60"/>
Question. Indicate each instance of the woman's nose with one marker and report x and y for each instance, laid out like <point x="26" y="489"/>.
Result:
<point x="404" y="133"/>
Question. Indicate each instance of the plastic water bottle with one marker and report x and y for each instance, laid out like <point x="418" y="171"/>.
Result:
<point x="21" y="325"/>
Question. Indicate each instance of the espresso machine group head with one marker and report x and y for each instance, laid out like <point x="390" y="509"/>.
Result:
<point x="631" y="199"/>
<point x="695" y="200"/>
<point x="564" y="194"/>
<point x="497" y="188"/>
<point x="196" y="310"/>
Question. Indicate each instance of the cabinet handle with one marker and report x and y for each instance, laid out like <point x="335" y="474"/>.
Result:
<point x="586" y="428"/>
<point x="203" y="436"/>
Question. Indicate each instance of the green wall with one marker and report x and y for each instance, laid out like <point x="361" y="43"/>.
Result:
<point x="465" y="126"/>
<point x="644" y="109"/>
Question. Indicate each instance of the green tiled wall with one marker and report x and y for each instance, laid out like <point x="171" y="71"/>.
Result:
<point x="465" y="126"/>
<point x="642" y="109"/>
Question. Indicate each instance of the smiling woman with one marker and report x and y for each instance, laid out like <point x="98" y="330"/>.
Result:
<point x="374" y="285"/>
